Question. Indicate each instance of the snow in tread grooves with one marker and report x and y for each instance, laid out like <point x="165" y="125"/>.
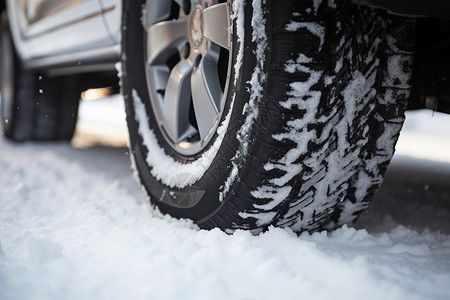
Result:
<point x="257" y="79"/>
<point x="164" y="167"/>
<point x="314" y="28"/>
<point x="296" y="131"/>
<point x="358" y="94"/>
<point x="237" y="15"/>
<point x="316" y="4"/>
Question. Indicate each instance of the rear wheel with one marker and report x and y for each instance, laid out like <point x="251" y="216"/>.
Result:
<point x="34" y="106"/>
<point x="248" y="114"/>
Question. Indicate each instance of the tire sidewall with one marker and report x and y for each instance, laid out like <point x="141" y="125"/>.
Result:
<point x="211" y="183"/>
<point x="5" y="37"/>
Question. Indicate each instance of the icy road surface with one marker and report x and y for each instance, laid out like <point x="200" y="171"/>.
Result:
<point x="73" y="225"/>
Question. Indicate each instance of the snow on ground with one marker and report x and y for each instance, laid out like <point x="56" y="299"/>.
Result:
<point x="101" y="121"/>
<point x="73" y="225"/>
<point x="426" y="135"/>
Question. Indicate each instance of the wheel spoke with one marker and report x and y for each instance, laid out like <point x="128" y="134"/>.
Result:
<point x="176" y="102"/>
<point x="206" y="94"/>
<point x="163" y="36"/>
<point x="156" y="13"/>
<point x="216" y="24"/>
<point x="183" y="68"/>
<point x="159" y="77"/>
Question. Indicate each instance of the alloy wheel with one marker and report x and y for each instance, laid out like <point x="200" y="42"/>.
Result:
<point x="187" y="69"/>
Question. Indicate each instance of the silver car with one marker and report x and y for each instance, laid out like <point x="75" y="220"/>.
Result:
<point x="242" y="114"/>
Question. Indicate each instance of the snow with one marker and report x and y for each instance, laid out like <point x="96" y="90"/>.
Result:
<point x="107" y="115"/>
<point x="313" y="28"/>
<point x="316" y="4"/>
<point x="251" y="109"/>
<point x="164" y="167"/>
<point x="74" y="225"/>
<point x="277" y="194"/>
<point x="431" y="128"/>
<point x="237" y="15"/>
<point x="305" y="98"/>
<point x="396" y="77"/>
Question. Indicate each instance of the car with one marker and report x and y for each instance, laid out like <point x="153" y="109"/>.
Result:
<point x="242" y="114"/>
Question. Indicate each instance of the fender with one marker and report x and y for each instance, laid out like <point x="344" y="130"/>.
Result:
<point x="59" y="40"/>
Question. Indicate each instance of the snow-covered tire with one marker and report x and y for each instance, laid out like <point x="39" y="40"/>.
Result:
<point x="313" y="105"/>
<point x="33" y="106"/>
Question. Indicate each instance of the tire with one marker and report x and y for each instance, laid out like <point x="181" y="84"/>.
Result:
<point x="34" y="106"/>
<point x="313" y="103"/>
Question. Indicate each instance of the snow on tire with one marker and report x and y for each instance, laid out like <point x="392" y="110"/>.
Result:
<point x="306" y="125"/>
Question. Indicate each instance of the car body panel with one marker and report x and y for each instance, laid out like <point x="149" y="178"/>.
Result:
<point x="112" y="13"/>
<point x="61" y="28"/>
<point x="53" y="33"/>
<point x="37" y="10"/>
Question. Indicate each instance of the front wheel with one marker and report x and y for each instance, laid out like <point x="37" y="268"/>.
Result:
<point x="246" y="114"/>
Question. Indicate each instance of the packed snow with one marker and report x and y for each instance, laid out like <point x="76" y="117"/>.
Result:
<point x="258" y="77"/>
<point x="165" y="168"/>
<point x="237" y="15"/>
<point x="73" y="225"/>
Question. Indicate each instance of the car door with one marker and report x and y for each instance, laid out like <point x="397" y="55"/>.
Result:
<point x="112" y="12"/>
<point x="46" y="28"/>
